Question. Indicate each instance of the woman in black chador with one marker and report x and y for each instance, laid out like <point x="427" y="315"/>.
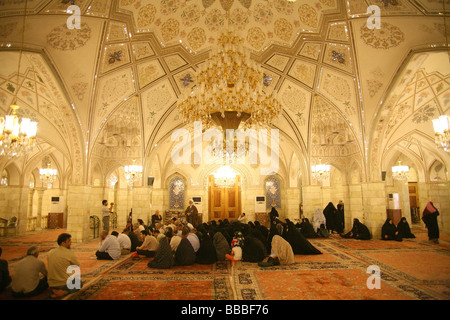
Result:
<point x="299" y="244"/>
<point x="340" y="221"/>
<point x="273" y="215"/>
<point x="307" y="229"/>
<point x="359" y="231"/>
<point x="330" y="213"/>
<point x="389" y="231"/>
<point x="429" y="217"/>
<point x="206" y="254"/>
<point x="404" y="230"/>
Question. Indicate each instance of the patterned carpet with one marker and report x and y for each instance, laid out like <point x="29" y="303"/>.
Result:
<point x="414" y="269"/>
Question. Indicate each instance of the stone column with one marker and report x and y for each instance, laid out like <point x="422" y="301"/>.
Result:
<point x="40" y="194"/>
<point x="18" y="205"/>
<point x="78" y="212"/>
<point x="354" y="207"/>
<point x="292" y="205"/>
<point x="122" y="207"/>
<point x="30" y="210"/>
<point x="402" y="188"/>
<point x="374" y="205"/>
<point x="312" y="199"/>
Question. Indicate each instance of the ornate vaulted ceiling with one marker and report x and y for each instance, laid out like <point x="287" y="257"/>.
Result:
<point x="107" y="92"/>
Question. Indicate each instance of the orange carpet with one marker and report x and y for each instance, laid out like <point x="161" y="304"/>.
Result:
<point x="414" y="269"/>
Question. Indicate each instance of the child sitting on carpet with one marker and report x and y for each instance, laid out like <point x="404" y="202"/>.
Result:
<point x="236" y="249"/>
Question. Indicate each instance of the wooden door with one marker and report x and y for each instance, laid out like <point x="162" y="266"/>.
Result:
<point x="224" y="203"/>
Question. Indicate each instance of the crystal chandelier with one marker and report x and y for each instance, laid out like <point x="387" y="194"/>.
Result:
<point x="230" y="86"/>
<point x="320" y="171"/>
<point x="133" y="173"/>
<point x="232" y="151"/>
<point x="17" y="136"/>
<point x="48" y="175"/>
<point x="4" y="181"/>
<point x="441" y="132"/>
<point x="225" y="177"/>
<point x="400" y="172"/>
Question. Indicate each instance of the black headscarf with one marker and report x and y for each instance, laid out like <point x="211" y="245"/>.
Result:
<point x="221" y="245"/>
<point x="360" y="230"/>
<point x="163" y="258"/>
<point x="253" y="249"/>
<point x="388" y="231"/>
<point x="403" y="229"/>
<point x="206" y="254"/>
<point x="273" y="214"/>
<point x="330" y="213"/>
<point x="307" y="229"/>
<point x="185" y="254"/>
<point x="340" y="218"/>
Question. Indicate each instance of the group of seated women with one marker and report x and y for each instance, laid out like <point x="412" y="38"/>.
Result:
<point x="259" y="244"/>
<point x="277" y="245"/>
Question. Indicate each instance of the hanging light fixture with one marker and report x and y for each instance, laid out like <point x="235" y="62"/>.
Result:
<point x="225" y="177"/>
<point x="442" y="133"/>
<point x="400" y="172"/>
<point x="228" y="154"/>
<point x="48" y="175"/>
<point x="230" y="89"/>
<point x="4" y="181"/>
<point x="17" y="136"/>
<point x="133" y="173"/>
<point x="320" y="171"/>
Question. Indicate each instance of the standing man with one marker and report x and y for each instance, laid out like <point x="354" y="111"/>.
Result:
<point x="105" y="213"/>
<point x="58" y="261"/>
<point x="192" y="213"/>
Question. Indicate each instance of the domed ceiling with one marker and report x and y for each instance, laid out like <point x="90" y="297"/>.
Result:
<point x="107" y="92"/>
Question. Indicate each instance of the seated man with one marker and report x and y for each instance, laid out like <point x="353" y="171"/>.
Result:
<point x="27" y="281"/>
<point x="108" y="248"/>
<point x="133" y="238"/>
<point x="149" y="246"/>
<point x="5" y="278"/>
<point x="175" y="242"/>
<point x="193" y="239"/>
<point x="58" y="261"/>
<point x="124" y="242"/>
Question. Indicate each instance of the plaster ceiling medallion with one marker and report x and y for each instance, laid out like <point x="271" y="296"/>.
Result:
<point x="386" y="37"/>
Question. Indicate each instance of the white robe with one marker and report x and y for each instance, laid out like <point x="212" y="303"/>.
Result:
<point x="318" y="219"/>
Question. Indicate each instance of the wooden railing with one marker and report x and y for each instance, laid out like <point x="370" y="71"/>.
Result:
<point x="32" y="223"/>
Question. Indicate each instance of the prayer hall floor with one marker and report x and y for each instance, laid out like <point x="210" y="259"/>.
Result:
<point x="414" y="269"/>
